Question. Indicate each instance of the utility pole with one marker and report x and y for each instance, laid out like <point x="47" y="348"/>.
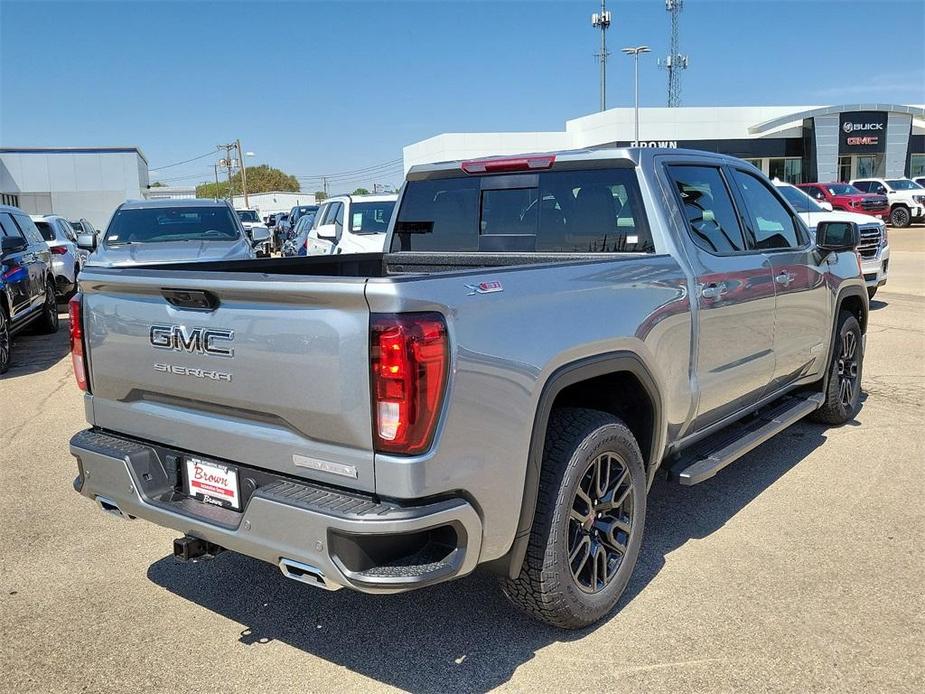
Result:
<point x="635" y="53"/>
<point x="228" y="162"/>
<point x="601" y="20"/>
<point x="243" y="173"/>
<point x="324" y="185"/>
<point x="675" y="62"/>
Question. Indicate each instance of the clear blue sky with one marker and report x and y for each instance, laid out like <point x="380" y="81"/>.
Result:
<point x="320" y="87"/>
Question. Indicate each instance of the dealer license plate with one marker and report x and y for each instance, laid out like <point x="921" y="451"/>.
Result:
<point x="213" y="483"/>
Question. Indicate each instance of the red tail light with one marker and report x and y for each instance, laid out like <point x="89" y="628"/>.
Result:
<point x="503" y="164"/>
<point x="409" y="356"/>
<point x="78" y="358"/>
<point x="58" y="250"/>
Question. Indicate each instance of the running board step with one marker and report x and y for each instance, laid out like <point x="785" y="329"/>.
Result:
<point x="738" y="439"/>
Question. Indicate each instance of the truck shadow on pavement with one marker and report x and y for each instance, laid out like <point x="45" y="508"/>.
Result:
<point x="32" y="353"/>
<point x="461" y="635"/>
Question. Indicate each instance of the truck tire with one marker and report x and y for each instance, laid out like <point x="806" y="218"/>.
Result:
<point x="48" y="322"/>
<point x="6" y="342"/>
<point x="843" y="392"/>
<point x="900" y="217"/>
<point x="589" y="521"/>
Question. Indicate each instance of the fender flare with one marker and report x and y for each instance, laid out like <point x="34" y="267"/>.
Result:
<point x="563" y="377"/>
<point x="843" y="293"/>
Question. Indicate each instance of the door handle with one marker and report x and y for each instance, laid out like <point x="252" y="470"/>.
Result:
<point x="714" y="290"/>
<point x="784" y="278"/>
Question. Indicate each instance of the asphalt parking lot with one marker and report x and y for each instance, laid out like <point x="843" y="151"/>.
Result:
<point x="801" y="567"/>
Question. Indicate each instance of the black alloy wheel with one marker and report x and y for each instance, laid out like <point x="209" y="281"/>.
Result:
<point x="600" y="522"/>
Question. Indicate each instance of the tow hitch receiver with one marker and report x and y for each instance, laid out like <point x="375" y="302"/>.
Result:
<point x="188" y="548"/>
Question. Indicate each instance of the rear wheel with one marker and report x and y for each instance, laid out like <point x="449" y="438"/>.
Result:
<point x="900" y="217"/>
<point x="5" y="341"/>
<point x="589" y="521"/>
<point x="843" y="393"/>
<point x="48" y="322"/>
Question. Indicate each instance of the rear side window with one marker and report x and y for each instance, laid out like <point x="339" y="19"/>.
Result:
<point x="596" y="211"/>
<point x="771" y="223"/>
<point x="46" y="231"/>
<point x="707" y="204"/>
<point x="28" y="229"/>
<point x="8" y="226"/>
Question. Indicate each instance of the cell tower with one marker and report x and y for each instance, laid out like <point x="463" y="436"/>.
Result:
<point x="601" y="20"/>
<point x="675" y="62"/>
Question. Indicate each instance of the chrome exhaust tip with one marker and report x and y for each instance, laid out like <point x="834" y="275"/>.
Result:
<point x="305" y="573"/>
<point x="111" y="507"/>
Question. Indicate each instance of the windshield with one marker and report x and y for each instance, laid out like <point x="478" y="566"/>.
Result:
<point x="371" y="217"/>
<point x="903" y="184"/>
<point x="45" y="229"/>
<point x="249" y="216"/>
<point x="160" y="224"/>
<point x="843" y="189"/>
<point x="800" y="201"/>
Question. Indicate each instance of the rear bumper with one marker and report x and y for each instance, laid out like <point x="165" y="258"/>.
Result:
<point x="349" y="540"/>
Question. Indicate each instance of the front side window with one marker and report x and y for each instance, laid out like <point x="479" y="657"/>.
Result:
<point x="772" y="224"/>
<point x="707" y="204"/>
<point x="164" y="224"/>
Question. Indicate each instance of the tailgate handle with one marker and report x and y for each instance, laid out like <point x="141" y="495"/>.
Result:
<point x="195" y="299"/>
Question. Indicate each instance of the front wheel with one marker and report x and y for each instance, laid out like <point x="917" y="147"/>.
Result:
<point x="589" y="520"/>
<point x="843" y="392"/>
<point x="900" y="217"/>
<point x="48" y="322"/>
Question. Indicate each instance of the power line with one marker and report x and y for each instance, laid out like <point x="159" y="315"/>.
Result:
<point x="186" y="161"/>
<point x="351" y="171"/>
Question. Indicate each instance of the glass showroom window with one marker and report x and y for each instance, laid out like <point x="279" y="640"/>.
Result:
<point x="789" y="170"/>
<point x="917" y="165"/>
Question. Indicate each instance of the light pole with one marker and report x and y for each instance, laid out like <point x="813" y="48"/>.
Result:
<point x="635" y="53"/>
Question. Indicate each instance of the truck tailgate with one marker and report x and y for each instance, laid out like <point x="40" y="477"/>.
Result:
<point x="292" y="395"/>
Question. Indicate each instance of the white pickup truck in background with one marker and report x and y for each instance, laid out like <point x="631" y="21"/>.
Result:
<point x="351" y="224"/>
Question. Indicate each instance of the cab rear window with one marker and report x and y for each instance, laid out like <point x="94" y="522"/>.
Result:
<point x="592" y="211"/>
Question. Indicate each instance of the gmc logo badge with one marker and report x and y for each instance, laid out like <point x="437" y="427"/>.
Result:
<point x="199" y="340"/>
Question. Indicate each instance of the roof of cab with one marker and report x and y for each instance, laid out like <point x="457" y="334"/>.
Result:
<point x="173" y="202"/>
<point x="635" y="155"/>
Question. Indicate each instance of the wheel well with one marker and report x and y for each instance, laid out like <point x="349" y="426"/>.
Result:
<point x="855" y="305"/>
<point x="620" y="394"/>
<point x="899" y="204"/>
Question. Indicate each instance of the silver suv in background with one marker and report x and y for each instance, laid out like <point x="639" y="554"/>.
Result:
<point x="66" y="257"/>
<point x="170" y="231"/>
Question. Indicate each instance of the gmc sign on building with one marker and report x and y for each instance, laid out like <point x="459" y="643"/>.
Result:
<point x="862" y="132"/>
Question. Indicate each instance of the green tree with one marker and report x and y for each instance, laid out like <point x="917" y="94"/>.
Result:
<point x="260" y="179"/>
<point x="320" y="195"/>
<point x="360" y="191"/>
<point x="157" y="184"/>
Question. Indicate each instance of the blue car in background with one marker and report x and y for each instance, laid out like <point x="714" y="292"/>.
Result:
<point x="27" y="284"/>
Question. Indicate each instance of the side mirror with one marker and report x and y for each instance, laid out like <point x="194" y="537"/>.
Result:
<point x="86" y="241"/>
<point x="837" y="236"/>
<point x="826" y="205"/>
<point x="12" y="244"/>
<point x="327" y="232"/>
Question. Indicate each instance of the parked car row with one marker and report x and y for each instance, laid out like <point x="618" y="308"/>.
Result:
<point x="344" y="224"/>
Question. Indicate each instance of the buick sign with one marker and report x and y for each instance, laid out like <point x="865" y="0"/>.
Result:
<point x="863" y="132"/>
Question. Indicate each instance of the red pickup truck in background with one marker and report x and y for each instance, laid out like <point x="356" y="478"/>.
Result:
<point x="843" y="196"/>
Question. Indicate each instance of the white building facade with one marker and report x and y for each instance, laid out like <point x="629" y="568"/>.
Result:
<point x="74" y="182"/>
<point x="794" y="143"/>
<point x="273" y="202"/>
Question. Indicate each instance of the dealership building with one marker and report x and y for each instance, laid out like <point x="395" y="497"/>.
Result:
<point x="74" y="182"/>
<point x="793" y="143"/>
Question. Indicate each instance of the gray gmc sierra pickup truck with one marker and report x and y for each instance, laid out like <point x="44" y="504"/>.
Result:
<point x="543" y="334"/>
